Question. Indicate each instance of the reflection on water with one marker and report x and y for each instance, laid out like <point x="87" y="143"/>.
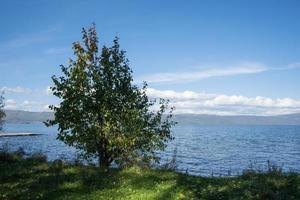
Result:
<point x="202" y="150"/>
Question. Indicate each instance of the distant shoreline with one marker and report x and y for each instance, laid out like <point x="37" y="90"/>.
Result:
<point x="26" y="117"/>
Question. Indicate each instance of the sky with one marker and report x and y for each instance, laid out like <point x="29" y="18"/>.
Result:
<point x="208" y="57"/>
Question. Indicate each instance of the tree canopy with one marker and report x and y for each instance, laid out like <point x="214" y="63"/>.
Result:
<point x="102" y="112"/>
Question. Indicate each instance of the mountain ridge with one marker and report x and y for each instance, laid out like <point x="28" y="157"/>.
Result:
<point x="20" y="116"/>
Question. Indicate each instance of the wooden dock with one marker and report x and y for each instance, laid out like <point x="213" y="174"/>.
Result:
<point x="18" y="134"/>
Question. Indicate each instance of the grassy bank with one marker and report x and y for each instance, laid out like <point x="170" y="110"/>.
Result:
<point x="35" y="178"/>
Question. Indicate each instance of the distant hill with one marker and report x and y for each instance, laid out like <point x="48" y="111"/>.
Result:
<point x="291" y="119"/>
<point x="19" y="116"/>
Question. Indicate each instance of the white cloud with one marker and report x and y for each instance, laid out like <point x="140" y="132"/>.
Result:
<point x="246" y="68"/>
<point x="17" y="89"/>
<point x="294" y="65"/>
<point x="27" y="105"/>
<point x="171" y="94"/>
<point x="46" y="108"/>
<point x="10" y="104"/>
<point x="190" y="102"/>
<point x="32" y="106"/>
<point x="23" y="90"/>
<point x="251" y="101"/>
<point x="220" y="104"/>
<point x="203" y="74"/>
<point x="20" y="98"/>
<point x="48" y="90"/>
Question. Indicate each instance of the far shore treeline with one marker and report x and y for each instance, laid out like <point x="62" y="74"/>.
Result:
<point x="21" y="116"/>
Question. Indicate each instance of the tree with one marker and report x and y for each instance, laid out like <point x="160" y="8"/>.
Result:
<point x="102" y="112"/>
<point x="2" y="113"/>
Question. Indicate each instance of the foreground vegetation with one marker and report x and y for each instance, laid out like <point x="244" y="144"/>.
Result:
<point x="35" y="178"/>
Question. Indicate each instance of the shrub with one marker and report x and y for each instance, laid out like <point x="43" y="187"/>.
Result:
<point x="38" y="157"/>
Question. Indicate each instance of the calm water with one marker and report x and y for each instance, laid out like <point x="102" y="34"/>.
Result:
<point x="202" y="150"/>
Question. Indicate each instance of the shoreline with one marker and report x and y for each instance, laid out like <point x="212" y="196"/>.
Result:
<point x="43" y="179"/>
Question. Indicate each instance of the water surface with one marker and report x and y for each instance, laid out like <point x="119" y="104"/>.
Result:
<point x="201" y="150"/>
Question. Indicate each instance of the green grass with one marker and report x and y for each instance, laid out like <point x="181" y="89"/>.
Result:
<point x="35" y="178"/>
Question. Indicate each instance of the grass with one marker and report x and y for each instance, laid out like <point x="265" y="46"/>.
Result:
<point x="35" y="178"/>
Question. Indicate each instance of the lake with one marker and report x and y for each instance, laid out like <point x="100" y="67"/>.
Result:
<point x="201" y="150"/>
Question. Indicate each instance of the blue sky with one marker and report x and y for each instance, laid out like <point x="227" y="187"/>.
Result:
<point x="215" y="57"/>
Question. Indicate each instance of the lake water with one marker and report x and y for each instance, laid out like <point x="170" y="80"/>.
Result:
<point x="201" y="150"/>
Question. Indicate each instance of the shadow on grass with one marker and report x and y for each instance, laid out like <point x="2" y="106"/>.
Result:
<point x="38" y="179"/>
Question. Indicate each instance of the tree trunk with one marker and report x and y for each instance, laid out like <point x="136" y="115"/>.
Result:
<point x="104" y="157"/>
<point x="103" y="162"/>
